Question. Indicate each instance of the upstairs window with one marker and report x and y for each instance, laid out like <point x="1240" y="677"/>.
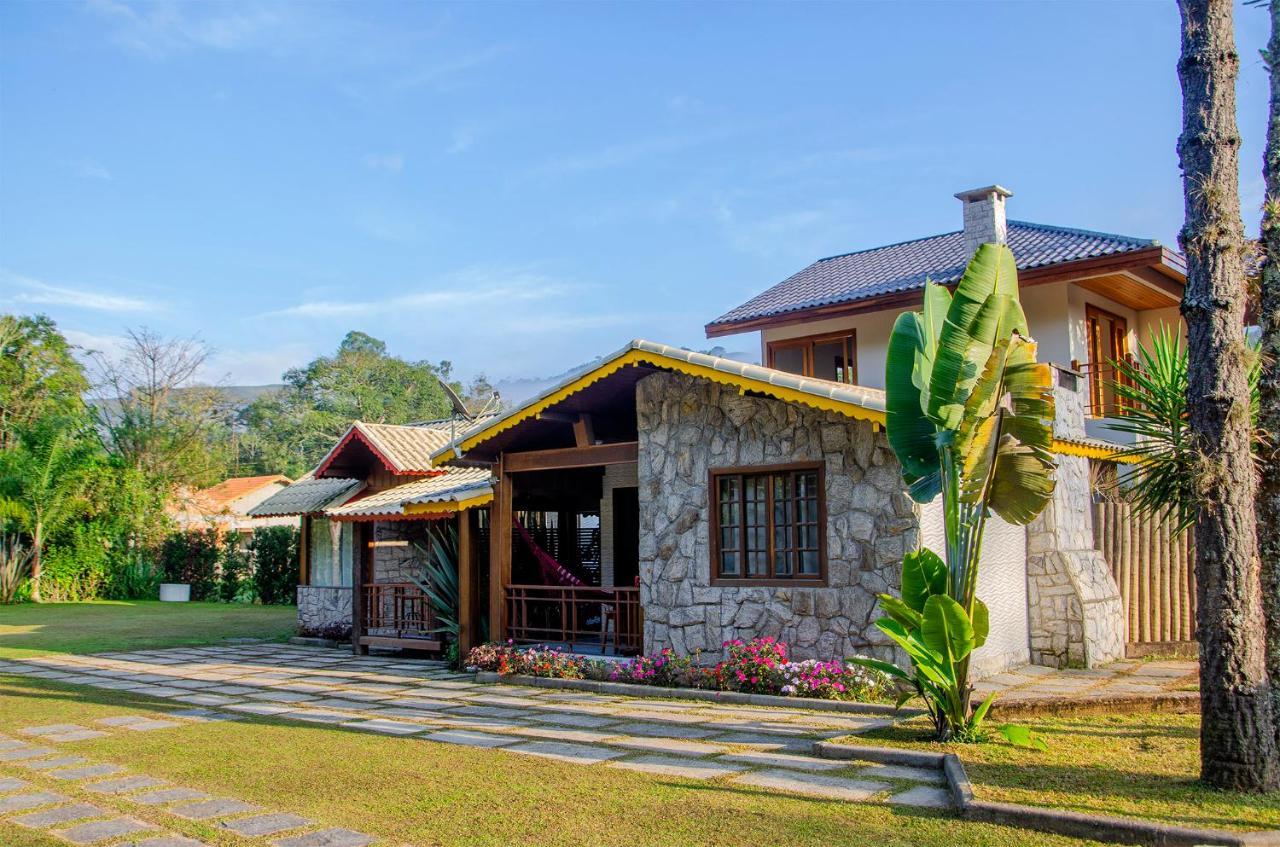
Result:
<point x="768" y="524"/>
<point x="831" y="357"/>
<point x="1108" y="339"/>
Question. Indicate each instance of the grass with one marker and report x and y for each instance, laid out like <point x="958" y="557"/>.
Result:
<point x="1142" y="765"/>
<point x="415" y="792"/>
<point x="33" y="629"/>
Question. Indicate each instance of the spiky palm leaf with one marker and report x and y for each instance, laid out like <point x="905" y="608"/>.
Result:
<point x="439" y="579"/>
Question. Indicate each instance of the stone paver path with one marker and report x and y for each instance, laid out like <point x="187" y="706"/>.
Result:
<point x="1117" y="679"/>
<point x="762" y="748"/>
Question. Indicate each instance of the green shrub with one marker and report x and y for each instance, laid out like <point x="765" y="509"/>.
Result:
<point x="134" y="576"/>
<point x="76" y="567"/>
<point x="192" y="557"/>
<point x="275" y="564"/>
<point x="234" y="572"/>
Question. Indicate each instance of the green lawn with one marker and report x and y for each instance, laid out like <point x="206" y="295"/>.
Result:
<point x="31" y="629"/>
<point x="413" y="792"/>
<point x="1143" y="765"/>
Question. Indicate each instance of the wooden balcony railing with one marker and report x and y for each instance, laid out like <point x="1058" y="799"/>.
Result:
<point x="398" y="611"/>
<point x="1103" y="400"/>
<point x="604" y="619"/>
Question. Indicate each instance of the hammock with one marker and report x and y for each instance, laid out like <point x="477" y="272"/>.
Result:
<point x="553" y="573"/>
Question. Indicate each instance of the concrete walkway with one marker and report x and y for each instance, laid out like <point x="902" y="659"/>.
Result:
<point x="1117" y="680"/>
<point x="765" y="748"/>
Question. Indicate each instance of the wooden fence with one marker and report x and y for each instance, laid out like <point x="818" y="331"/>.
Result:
<point x="1153" y="565"/>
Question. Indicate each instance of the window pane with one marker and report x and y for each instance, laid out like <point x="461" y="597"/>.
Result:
<point x="729" y="564"/>
<point x="789" y="359"/>
<point x="831" y="360"/>
<point x="809" y="562"/>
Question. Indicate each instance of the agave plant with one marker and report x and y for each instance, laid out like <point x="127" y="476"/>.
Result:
<point x="1152" y="389"/>
<point x="970" y="418"/>
<point x="439" y="578"/>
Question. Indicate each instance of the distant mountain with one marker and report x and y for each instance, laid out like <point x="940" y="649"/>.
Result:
<point x="516" y="391"/>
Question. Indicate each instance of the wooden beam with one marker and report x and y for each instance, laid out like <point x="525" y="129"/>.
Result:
<point x="466" y="586"/>
<point x="584" y="432"/>
<point x="571" y="457"/>
<point x="358" y="568"/>
<point x="304" y="550"/>
<point x="500" y="552"/>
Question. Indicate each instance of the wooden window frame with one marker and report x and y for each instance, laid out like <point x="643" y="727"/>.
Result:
<point x="714" y="475"/>
<point x="808" y="342"/>
<point x="1099" y="370"/>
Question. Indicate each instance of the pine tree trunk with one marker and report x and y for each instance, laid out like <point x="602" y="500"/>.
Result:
<point x="1269" y="387"/>
<point x="1237" y="735"/>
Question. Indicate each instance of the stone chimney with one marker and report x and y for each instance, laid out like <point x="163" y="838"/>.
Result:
<point x="983" y="217"/>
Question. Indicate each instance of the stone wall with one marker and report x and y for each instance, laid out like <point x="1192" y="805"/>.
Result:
<point x="397" y="564"/>
<point x="320" y="607"/>
<point x="688" y="426"/>
<point x="1075" y="612"/>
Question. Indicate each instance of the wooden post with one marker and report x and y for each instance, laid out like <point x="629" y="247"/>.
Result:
<point x="466" y="586"/>
<point x="304" y="551"/>
<point x="500" y="552"/>
<point x="361" y="537"/>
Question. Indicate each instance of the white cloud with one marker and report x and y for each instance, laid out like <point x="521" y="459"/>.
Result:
<point x="389" y="162"/>
<point x="90" y="169"/>
<point x="163" y="28"/>
<point x="441" y="74"/>
<point x="462" y="140"/>
<point x="39" y="293"/>
<point x="254" y="367"/>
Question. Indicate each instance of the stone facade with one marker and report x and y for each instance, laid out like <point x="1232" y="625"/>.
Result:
<point x="1075" y="612"/>
<point x="397" y="563"/>
<point x="320" y="608"/>
<point x="688" y="426"/>
<point x="984" y="217"/>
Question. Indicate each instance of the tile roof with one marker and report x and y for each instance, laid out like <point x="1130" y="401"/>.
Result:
<point x="403" y="448"/>
<point x="455" y="484"/>
<point x="902" y="267"/>
<point x="229" y="490"/>
<point x="306" y="496"/>
<point x="855" y="400"/>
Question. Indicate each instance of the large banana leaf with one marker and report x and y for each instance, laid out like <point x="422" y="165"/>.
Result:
<point x="946" y="629"/>
<point x="924" y="574"/>
<point x="911" y="434"/>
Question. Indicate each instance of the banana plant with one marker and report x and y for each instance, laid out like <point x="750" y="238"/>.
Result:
<point x="970" y="418"/>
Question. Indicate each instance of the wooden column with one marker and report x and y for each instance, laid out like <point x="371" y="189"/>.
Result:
<point x="466" y="585"/>
<point x="304" y="551"/>
<point x="500" y="553"/>
<point x="362" y="534"/>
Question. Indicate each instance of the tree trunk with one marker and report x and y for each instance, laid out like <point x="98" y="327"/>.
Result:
<point x="37" y="545"/>
<point x="1269" y="386"/>
<point x="1237" y="735"/>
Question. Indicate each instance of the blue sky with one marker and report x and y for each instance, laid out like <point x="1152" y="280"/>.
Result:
<point x="521" y="187"/>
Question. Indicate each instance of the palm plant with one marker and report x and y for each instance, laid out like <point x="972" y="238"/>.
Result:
<point x="1152" y="389"/>
<point x="969" y="416"/>
<point x="15" y="564"/>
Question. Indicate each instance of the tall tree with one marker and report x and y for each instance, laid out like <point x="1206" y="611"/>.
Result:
<point x="1269" y="384"/>
<point x="39" y="375"/>
<point x="154" y="416"/>
<point x="1237" y="735"/>
<point x="291" y="430"/>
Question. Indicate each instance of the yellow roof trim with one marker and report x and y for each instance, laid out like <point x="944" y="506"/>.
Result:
<point x="447" y="507"/>
<point x="643" y="357"/>
<point x="1089" y="451"/>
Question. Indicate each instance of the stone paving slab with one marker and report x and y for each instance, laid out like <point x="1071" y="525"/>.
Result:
<point x="673" y="746"/>
<point x="11" y="744"/>
<point x="470" y="739"/>
<point x="569" y="719"/>
<point x="675" y="766"/>
<point x="929" y="775"/>
<point x="123" y="784"/>
<point x="327" y="838"/>
<point x="89" y="833"/>
<point x="923" y="795"/>
<point x="86" y="772"/>
<point x="151" y="724"/>
<point x="316" y="716"/>
<point x="814" y="785"/>
<point x="268" y="824"/>
<point x="784" y="760"/>
<point x="122" y="720"/>
<point x="578" y="754"/>
<point x="51" y="729"/>
<point x="559" y="733"/>
<point x="50" y="764"/>
<point x="218" y="807"/>
<point x="169" y="795"/>
<point x="76" y="735"/>
<point x="655" y="730"/>
<point x="58" y="815"/>
<point x="22" y="802"/>
<point x="11" y="783"/>
<point x="17" y="754"/>
<point x="386" y="726"/>
<point x="166" y="841"/>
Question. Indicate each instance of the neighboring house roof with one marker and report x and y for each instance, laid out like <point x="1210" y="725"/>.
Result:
<point x="854" y="401"/>
<point x="903" y="267"/>
<point x="307" y="496"/>
<point x="453" y="490"/>
<point x="228" y="491"/>
<point x="403" y="449"/>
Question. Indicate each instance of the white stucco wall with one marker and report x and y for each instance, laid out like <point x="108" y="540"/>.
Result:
<point x="1002" y="585"/>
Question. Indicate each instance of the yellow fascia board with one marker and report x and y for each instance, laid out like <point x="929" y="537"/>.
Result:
<point x="447" y="507"/>
<point x="644" y="357"/>
<point x="1088" y="451"/>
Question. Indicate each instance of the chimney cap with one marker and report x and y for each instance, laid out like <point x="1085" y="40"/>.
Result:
<point x="982" y="193"/>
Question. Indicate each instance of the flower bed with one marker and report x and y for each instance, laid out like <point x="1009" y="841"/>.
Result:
<point x="760" y="666"/>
